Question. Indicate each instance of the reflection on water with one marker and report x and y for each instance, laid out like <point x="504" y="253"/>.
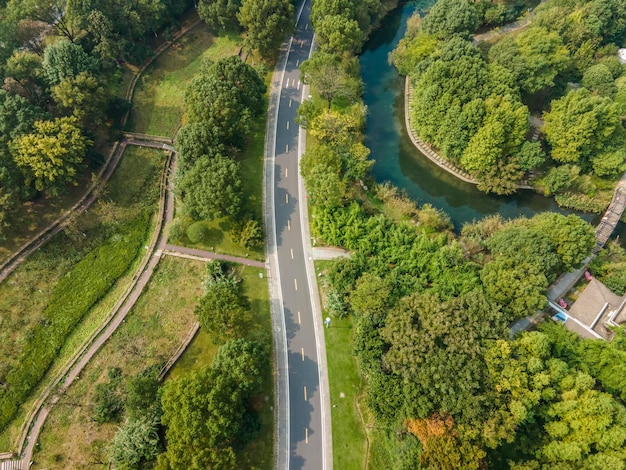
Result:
<point x="398" y="161"/>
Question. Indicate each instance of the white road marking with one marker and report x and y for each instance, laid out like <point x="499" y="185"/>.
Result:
<point x="295" y="281"/>
<point x="287" y="198"/>
<point x="299" y="319"/>
<point x="298" y="84"/>
<point x="305" y="393"/>
<point x="306" y="435"/>
<point x="303" y="354"/>
<point x="287" y="125"/>
<point x="306" y="26"/>
<point x="297" y="62"/>
<point x="286" y="172"/>
<point x="288" y="225"/>
<point x="290" y="103"/>
<point x="287" y="148"/>
<point x="291" y="253"/>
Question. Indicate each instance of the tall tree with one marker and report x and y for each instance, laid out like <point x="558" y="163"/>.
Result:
<point x="211" y="188"/>
<point x="51" y="155"/>
<point x="326" y="75"/>
<point x="83" y="97"/>
<point x="64" y="59"/>
<point x="220" y="15"/>
<point x="266" y="23"/>
<point x="580" y="125"/>
<point x="448" y="17"/>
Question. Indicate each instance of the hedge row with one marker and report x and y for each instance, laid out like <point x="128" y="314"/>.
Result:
<point x="72" y="298"/>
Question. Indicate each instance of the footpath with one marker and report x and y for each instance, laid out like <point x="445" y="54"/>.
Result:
<point x="158" y="247"/>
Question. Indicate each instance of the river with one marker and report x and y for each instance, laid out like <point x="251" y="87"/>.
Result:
<point x="399" y="162"/>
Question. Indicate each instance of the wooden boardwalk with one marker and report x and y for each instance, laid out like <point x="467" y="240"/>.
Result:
<point x="611" y="217"/>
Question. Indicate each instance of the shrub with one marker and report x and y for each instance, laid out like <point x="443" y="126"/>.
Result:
<point x="198" y="232"/>
<point x="177" y="229"/>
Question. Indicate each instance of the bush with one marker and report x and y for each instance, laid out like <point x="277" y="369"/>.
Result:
<point x="198" y="232"/>
<point x="177" y="229"/>
<point x="248" y="233"/>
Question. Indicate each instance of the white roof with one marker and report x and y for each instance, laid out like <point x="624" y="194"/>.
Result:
<point x="621" y="54"/>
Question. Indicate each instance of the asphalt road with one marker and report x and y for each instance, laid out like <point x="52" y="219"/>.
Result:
<point x="305" y="422"/>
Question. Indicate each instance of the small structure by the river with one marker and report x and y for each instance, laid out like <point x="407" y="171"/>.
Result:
<point x="621" y="55"/>
<point x="596" y="310"/>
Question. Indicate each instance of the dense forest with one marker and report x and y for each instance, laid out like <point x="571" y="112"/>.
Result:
<point x="61" y="66"/>
<point x="473" y="99"/>
<point x="431" y="309"/>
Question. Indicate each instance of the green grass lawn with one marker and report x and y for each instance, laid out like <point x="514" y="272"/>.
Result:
<point x="151" y="333"/>
<point x="158" y="98"/>
<point x="258" y="454"/>
<point x="26" y="295"/>
<point x="349" y="438"/>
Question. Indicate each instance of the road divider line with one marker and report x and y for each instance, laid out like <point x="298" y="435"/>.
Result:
<point x="305" y="393"/>
<point x="299" y="319"/>
<point x="286" y="172"/>
<point x="306" y="435"/>
<point x="287" y="198"/>
<point x="291" y="252"/>
<point x="290" y="102"/>
<point x="303" y="357"/>
<point x="287" y="125"/>
<point x="288" y="225"/>
<point x="295" y="282"/>
<point x="287" y="148"/>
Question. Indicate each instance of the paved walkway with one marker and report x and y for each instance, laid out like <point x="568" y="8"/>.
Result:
<point x="202" y="255"/>
<point x="507" y="28"/>
<point x="329" y="253"/>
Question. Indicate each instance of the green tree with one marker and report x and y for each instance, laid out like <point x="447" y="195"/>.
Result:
<point x="321" y="169"/>
<point x="83" y="97"/>
<point x="266" y="23"/>
<point x="579" y="125"/>
<point x="518" y="287"/>
<point x="326" y="75"/>
<point x="599" y="79"/>
<point x="436" y="348"/>
<point x="225" y="97"/>
<point x="203" y="414"/>
<point x="220" y="14"/>
<point x="198" y="140"/>
<point x="246" y="362"/>
<point x="223" y="313"/>
<point x="530" y="156"/>
<point x="338" y="34"/>
<point x="51" y="155"/>
<point x="64" y="59"/>
<point x="211" y="188"/>
<point x="448" y="17"/>
<point x="371" y="296"/>
<point x="135" y="442"/>
<point x="544" y="57"/>
<point x="573" y="237"/>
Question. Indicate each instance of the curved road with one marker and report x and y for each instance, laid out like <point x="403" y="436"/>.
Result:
<point x="302" y="388"/>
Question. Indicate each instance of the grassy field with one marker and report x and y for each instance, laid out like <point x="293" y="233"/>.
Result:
<point x="200" y="353"/>
<point x="158" y="98"/>
<point x="32" y="294"/>
<point x="349" y="438"/>
<point x="150" y="334"/>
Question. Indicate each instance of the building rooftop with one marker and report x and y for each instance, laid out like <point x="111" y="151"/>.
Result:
<point x="595" y="311"/>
